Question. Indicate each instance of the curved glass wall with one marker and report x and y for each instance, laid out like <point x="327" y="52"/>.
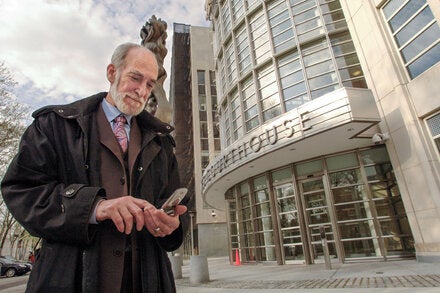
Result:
<point x="354" y="197"/>
<point x="273" y="56"/>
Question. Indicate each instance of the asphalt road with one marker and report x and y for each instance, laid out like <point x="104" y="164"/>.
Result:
<point x="14" y="284"/>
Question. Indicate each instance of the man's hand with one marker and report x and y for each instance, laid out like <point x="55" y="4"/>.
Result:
<point x="159" y="223"/>
<point x="128" y="211"/>
<point x="124" y="211"/>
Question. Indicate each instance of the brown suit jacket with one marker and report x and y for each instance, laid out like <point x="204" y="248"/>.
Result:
<point x="115" y="181"/>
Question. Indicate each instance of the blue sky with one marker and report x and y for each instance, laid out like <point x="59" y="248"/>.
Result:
<point x="58" y="50"/>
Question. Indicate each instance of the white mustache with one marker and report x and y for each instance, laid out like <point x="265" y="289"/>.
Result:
<point x="134" y="96"/>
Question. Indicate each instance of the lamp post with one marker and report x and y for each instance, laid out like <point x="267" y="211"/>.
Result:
<point x="191" y="214"/>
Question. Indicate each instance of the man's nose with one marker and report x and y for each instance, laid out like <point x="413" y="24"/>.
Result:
<point x="142" y="92"/>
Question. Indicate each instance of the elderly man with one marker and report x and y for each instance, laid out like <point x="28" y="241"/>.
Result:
<point x="90" y="178"/>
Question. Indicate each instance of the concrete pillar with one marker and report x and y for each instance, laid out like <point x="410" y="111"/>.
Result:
<point x="176" y="265"/>
<point x="199" y="269"/>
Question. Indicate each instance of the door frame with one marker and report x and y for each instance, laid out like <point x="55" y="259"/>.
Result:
<point x="331" y="215"/>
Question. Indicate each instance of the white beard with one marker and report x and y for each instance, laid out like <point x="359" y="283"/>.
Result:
<point x="118" y="99"/>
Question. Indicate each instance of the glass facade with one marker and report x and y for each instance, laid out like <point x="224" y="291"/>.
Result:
<point x="353" y="196"/>
<point x="416" y="33"/>
<point x="207" y="102"/>
<point x="274" y="56"/>
<point x="434" y="129"/>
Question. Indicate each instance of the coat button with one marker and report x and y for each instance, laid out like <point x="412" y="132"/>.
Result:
<point x="117" y="253"/>
<point x="70" y="191"/>
<point x="140" y="168"/>
<point x="122" y="180"/>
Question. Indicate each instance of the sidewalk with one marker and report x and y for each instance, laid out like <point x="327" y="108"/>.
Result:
<point x="392" y="276"/>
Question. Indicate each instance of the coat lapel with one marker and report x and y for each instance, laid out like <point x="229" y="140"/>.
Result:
<point x="106" y="135"/>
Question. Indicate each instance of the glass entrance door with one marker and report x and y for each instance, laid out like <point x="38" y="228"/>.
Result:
<point x="317" y="214"/>
<point x="289" y="222"/>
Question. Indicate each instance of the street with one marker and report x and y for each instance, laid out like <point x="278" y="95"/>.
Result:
<point x="14" y="284"/>
<point x="400" y="276"/>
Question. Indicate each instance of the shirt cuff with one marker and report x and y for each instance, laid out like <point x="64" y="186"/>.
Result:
<point x="92" y="219"/>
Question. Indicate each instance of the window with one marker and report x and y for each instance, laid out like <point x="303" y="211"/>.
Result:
<point x="217" y="144"/>
<point x="333" y="15"/>
<point x="230" y="63"/>
<point x="202" y="102"/>
<point x="201" y="81"/>
<point x="237" y="9"/>
<point x="281" y="26"/>
<point x="250" y="107"/>
<point x="214" y="105"/>
<point x="233" y="225"/>
<point x="226" y="122"/>
<point x="217" y="41"/>
<point x="243" y="51"/>
<point x="416" y="33"/>
<point x="347" y="61"/>
<point x="260" y="37"/>
<point x="223" y="79"/>
<point x="251" y="3"/>
<point x="212" y="83"/>
<point x="307" y="19"/>
<point x="237" y="129"/>
<point x="434" y="128"/>
<point x="203" y="129"/>
<point x="292" y="81"/>
<point x="245" y="221"/>
<point x="204" y="141"/>
<point x="201" y="89"/>
<point x="263" y="232"/>
<point x="268" y="88"/>
<point x="226" y="19"/>
<point x="319" y="68"/>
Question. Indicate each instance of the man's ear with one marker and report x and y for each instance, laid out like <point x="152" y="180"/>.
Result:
<point x="111" y="73"/>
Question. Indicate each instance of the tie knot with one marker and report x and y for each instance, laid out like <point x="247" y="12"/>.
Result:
<point x="121" y="119"/>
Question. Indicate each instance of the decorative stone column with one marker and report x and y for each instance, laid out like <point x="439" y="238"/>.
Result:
<point x="153" y="35"/>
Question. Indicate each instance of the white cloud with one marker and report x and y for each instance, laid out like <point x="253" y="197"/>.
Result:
<point x="59" y="49"/>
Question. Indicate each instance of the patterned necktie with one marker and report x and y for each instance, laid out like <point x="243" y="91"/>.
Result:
<point x="120" y="133"/>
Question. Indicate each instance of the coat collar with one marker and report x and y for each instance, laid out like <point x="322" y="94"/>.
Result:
<point x="89" y="105"/>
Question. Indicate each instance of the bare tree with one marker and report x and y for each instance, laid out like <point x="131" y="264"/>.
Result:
<point x="12" y="118"/>
<point x="12" y="124"/>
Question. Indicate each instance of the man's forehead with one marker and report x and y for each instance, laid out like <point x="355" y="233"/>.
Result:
<point x="140" y="60"/>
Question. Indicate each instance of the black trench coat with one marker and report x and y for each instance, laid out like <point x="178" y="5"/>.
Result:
<point x="53" y="183"/>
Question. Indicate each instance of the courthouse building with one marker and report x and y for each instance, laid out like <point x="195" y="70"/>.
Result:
<point x="329" y="118"/>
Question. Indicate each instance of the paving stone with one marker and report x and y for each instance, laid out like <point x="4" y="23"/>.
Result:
<point x="415" y="281"/>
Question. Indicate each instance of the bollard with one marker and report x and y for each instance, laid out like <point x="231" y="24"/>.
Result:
<point x="176" y="266"/>
<point x="181" y="258"/>
<point x="199" y="269"/>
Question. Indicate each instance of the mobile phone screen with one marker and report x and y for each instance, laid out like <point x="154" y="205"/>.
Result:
<point x="174" y="200"/>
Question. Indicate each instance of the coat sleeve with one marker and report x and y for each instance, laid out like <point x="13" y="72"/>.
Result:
<point x="38" y="189"/>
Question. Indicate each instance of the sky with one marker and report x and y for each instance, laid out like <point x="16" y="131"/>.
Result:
<point x="58" y="50"/>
